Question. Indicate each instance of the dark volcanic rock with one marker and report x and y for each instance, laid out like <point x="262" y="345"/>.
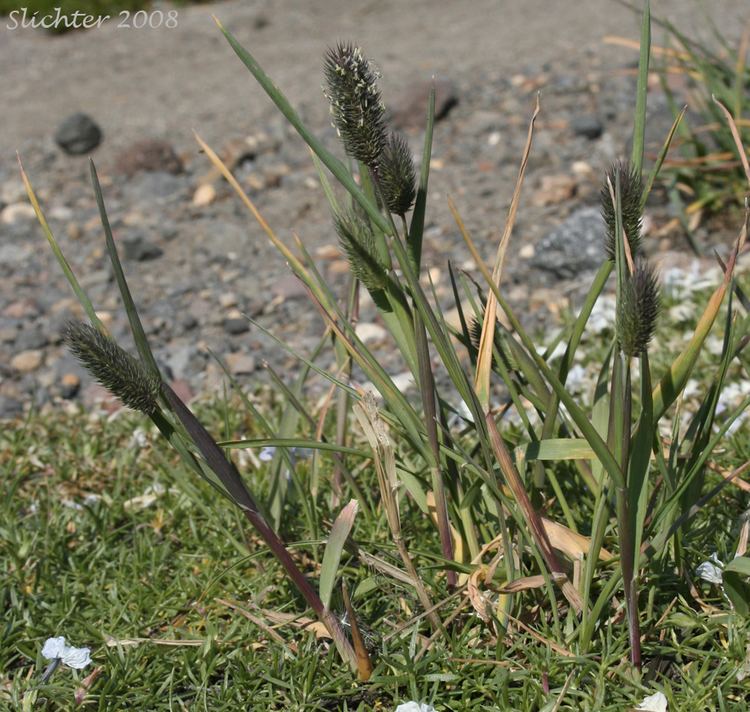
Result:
<point x="236" y="325"/>
<point x="78" y="134"/>
<point x="137" y="247"/>
<point x="588" y="126"/>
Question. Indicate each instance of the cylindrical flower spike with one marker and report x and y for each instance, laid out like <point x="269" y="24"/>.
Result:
<point x="358" y="242"/>
<point x="120" y="373"/>
<point x="638" y="310"/>
<point x="356" y="106"/>
<point x="397" y="175"/>
<point x="631" y="192"/>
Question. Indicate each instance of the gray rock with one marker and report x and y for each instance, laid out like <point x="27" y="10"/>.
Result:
<point x="573" y="247"/>
<point x="13" y="253"/>
<point x="236" y="325"/>
<point x="137" y="247"/>
<point x="30" y="338"/>
<point x="588" y="126"/>
<point x="180" y="359"/>
<point x="148" y="155"/>
<point x="409" y="111"/>
<point x="78" y="134"/>
<point x="240" y="363"/>
<point x="188" y="322"/>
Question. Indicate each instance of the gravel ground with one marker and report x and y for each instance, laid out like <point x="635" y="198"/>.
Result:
<point x="197" y="262"/>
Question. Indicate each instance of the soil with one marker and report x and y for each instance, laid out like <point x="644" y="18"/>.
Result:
<point x="197" y="262"/>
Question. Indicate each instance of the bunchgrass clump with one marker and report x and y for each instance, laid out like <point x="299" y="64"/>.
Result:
<point x="706" y="177"/>
<point x="549" y="564"/>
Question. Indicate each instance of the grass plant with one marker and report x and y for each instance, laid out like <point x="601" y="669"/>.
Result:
<point x="447" y="557"/>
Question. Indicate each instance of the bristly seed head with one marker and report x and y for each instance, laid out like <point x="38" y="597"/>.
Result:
<point x="120" y="373"/>
<point x="638" y="310"/>
<point x="397" y="175"/>
<point x="631" y="192"/>
<point x="356" y="106"/>
<point x="358" y="242"/>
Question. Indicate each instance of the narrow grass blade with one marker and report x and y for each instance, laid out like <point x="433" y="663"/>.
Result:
<point x="416" y="228"/>
<point x="662" y="155"/>
<point x="557" y="449"/>
<point x="64" y="264"/>
<point x="139" y="335"/>
<point x="340" y="531"/>
<point x="487" y="340"/>
<point x="639" y="123"/>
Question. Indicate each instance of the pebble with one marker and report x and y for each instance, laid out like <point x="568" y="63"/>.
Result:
<point x="31" y="338"/>
<point x="78" y="134"/>
<point x="370" y="333"/>
<point x="555" y="189"/>
<point x="288" y="287"/>
<point x="189" y="322"/>
<point x="573" y="247"/>
<point x="239" y="363"/>
<point x="139" y="248"/>
<point x="21" y="309"/>
<point x="236" y="325"/>
<point x="409" y="111"/>
<point x="204" y="195"/>
<point x="70" y="384"/>
<point x="12" y="191"/>
<point x="228" y="300"/>
<point x="17" y="213"/>
<point x="27" y="361"/>
<point x="149" y="155"/>
<point x="588" y="126"/>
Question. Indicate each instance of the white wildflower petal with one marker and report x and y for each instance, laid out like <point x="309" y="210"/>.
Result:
<point x="77" y="658"/>
<point x="53" y="648"/>
<point x="654" y="703"/>
<point x="711" y="570"/>
<point x="414" y="707"/>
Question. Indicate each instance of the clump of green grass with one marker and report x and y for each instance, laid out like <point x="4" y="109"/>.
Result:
<point x="707" y="177"/>
<point x="456" y="538"/>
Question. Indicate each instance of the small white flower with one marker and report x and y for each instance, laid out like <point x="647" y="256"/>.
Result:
<point x="139" y="438"/>
<point x="711" y="570"/>
<point x="53" y="648"/>
<point x="266" y="454"/>
<point x="415" y="707"/>
<point x="77" y="658"/>
<point x="58" y="649"/>
<point x="654" y="703"/>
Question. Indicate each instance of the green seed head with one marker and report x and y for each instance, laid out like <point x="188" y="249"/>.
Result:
<point x="119" y="372"/>
<point x="358" y="242"/>
<point x="397" y="175"/>
<point x="638" y="310"/>
<point x="356" y="106"/>
<point x="631" y="191"/>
